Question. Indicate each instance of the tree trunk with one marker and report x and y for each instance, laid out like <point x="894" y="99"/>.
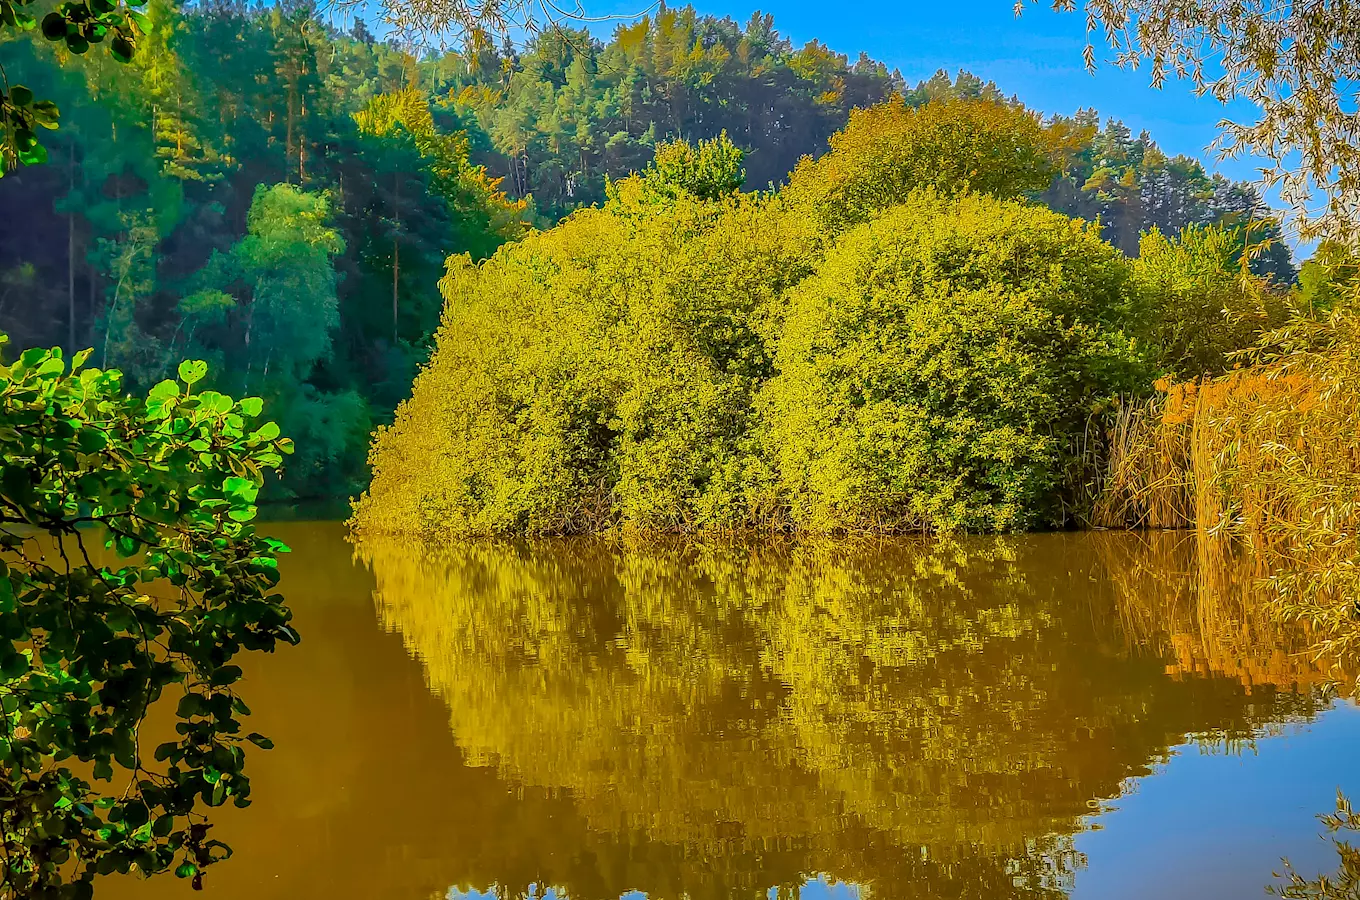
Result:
<point x="71" y="251"/>
<point x="302" y="149"/>
<point x="250" y="325"/>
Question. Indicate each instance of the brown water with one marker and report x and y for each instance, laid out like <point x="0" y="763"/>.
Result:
<point x="1057" y="715"/>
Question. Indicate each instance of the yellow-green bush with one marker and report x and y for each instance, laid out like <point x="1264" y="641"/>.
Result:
<point x="600" y="373"/>
<point x="667" y="362"/>
<point x="938" y="368"/>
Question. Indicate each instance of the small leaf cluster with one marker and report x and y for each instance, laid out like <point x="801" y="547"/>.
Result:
<point x="129" y="565"/>
<point x="78" y="24"/>
<point x="710" y="170"/>
<point x="22" y="115"/>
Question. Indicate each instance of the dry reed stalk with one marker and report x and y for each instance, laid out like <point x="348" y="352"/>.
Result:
<point x="1148" y="480"/>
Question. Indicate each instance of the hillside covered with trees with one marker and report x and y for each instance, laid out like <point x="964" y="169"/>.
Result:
<point x="263" y="190"/>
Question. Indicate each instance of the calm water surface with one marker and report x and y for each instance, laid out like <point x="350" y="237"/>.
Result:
<point x="1058" y="715"/>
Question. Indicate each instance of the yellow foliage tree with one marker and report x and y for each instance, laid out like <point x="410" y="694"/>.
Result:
<point x="466" y="188"/>
<point x="953" y="146"/>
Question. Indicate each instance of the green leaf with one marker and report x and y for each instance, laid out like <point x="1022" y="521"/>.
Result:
<point x="241" y="488"/>
<point x="16" y="484"/>
<point x="191" y="371"/>
<point x="251" y="406"/>
<point x="214" y="402"/>
<point x="260" y="741"/>
<point x="12" y="664"/>
<point x="186" y="870"/>
<point x="20" y="95"/>
<point x="242" y="515"/>
<point x="91" y="440"/>
<point x="225" y="675"/>
<point x="35" y="155"/>
<point x="190" y="705"/>
<point x="164" y="390"/>
<point x="121" y="49"/>
<point x="54" y="26"/>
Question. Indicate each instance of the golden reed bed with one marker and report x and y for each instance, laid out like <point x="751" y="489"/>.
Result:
<point x="1266" y="457"/>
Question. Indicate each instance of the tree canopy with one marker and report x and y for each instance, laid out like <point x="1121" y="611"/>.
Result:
<point x="141" y="236"/>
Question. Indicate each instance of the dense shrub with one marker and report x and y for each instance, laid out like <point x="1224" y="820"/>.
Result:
<point x="938" y="368"/>
<point x="599" y="373"/>
<point x="690" y="357"/>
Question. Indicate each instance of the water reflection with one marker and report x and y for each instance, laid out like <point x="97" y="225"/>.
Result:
<point x="1210" y="612"/>
<point x="916" y="719"/>
<point x="820" y="888"/>
<point x="928" y="718"/>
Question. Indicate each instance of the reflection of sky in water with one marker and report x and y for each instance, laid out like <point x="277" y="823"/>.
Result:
<point x="1210" y="823"/>
<point x="820" y="888"/>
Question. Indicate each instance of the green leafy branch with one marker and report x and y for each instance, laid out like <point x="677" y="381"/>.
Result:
<point x="91" y="638"/>
<point x="77" y="24"/>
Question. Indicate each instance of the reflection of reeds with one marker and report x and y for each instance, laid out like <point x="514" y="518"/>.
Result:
<point x="1206" y="605"/>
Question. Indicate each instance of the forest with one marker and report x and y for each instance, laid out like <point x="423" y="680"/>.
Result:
<point x="263" y="190"/>
<point x="690" y="280"/>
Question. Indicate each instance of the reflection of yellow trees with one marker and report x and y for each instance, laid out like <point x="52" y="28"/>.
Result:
<point x="931" y="717"/>
<point x="1210" y="610"/>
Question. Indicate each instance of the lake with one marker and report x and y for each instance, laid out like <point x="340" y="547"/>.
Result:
<point x="1068" y="715"/>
